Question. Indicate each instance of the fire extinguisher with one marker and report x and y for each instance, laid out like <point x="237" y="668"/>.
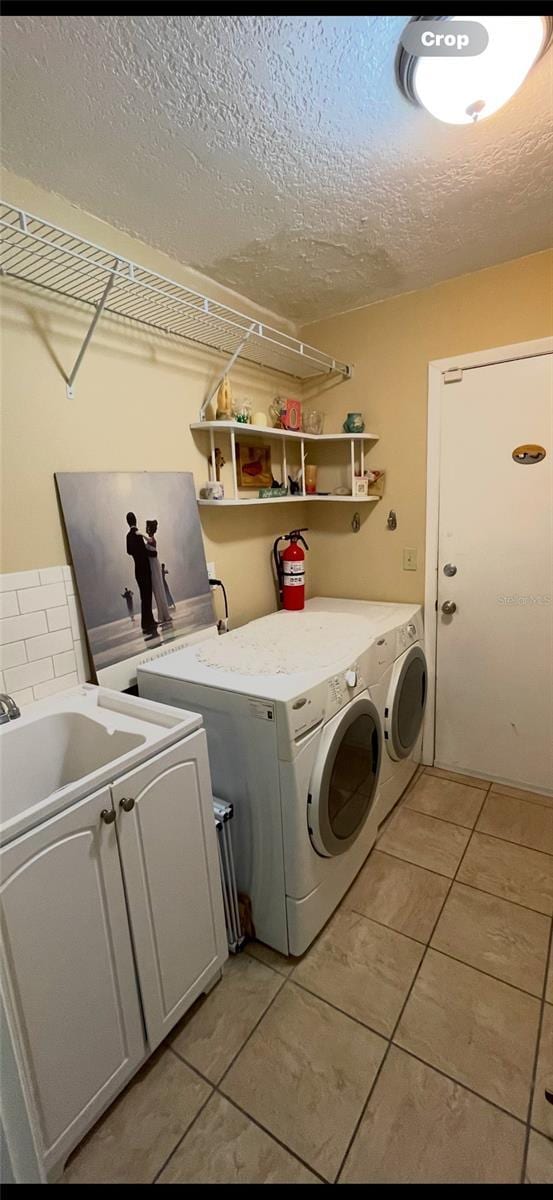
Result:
<point x="290" y="569"/>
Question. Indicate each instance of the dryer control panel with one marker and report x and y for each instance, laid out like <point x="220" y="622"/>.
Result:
<point x="408" y="634"/>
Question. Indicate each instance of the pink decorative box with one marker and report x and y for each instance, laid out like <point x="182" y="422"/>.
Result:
<point x="291" y="414"/>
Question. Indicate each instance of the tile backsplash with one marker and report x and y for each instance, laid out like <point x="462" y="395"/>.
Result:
<point x="42" y="647"/>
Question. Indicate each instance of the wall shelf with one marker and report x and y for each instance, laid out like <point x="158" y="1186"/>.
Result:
<point x="238" y="427"/>
<point x="43" y="254"/>
<point x="243" y="503"/>
<point x="232" y="428"/>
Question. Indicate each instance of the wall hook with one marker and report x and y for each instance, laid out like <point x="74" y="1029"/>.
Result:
<point x="356" y="522"/>
<point x="391" y="519"/>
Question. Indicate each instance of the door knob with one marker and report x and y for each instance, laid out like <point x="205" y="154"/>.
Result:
<point x="126" y="804"/>
<point x="449" y="607"/>
<point x="108" y="815"/>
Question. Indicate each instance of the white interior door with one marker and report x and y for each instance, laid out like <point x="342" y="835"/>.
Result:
<point x="494" y="679"/>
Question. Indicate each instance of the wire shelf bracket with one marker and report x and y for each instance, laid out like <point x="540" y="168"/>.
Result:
<point x="36" y="252"/>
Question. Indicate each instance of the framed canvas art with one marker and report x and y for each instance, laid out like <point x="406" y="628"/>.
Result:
<point x="139" y="563"/>
<point x="253" y="465"/>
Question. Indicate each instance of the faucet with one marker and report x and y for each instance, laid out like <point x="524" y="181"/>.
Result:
<point x="8" y="709"/>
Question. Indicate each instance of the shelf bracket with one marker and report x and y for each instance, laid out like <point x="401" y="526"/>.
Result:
<point x="99" y="310"/>
<point x="230" y="364"/>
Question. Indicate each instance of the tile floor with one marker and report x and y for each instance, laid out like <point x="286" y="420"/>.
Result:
<point x="410" y="1044"/>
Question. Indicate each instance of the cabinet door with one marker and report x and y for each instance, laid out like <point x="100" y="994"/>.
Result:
<point x="68" y="970"/>
<point x="170" y="864"/>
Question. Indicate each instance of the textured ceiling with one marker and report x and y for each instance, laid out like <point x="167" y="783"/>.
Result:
<point x="275" y="153"/>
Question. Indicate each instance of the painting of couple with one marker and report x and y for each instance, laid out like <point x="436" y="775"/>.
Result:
<point x="142" y="548"/>
<point x="112" y="545"/>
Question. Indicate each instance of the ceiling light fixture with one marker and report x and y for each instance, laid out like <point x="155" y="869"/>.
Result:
<point x="459" y="86"/>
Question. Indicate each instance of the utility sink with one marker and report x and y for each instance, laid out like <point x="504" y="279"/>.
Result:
<point x="63" y="748"/>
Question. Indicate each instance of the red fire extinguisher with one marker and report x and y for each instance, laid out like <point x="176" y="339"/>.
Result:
<point x="290" y="569"/>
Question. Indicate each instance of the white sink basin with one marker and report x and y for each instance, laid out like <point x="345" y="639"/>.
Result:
<point x="66" y="747"/>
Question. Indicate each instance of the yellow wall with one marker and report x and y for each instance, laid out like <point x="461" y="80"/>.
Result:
<point x="390" y="345"/>
<point x="137" y="393"/>
<point x="135" y="396"/>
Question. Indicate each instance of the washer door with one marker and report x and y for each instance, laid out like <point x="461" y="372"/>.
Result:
<point x="406" y="702"/>
<point x="345" y="777"/>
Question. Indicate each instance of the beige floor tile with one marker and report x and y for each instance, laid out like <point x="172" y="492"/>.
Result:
<point x="518" y="821"/>
<point x="549" y="984"/>
<point x="436" y="845"/>
<point x="399" y="894"/>
<point x="214" y="1030"/>
<point x="494" y="935"/>
<point x="420" y="1127"/>
<point x="132" y="1141"/>
<point x="522" y="794"/>
<point x="224" y="1146"/>
<point x="470" y="780"/>
<point x="445" y="798"/>
<point x="513" y="872"/>
<point x="539" y="1164"/>
<point x="542" y="1110"/>
<point x="305" y="1075"/>
<point x="363" y="968"/>
<point x="480" y="1031"/>
<point x="271" y="958"/>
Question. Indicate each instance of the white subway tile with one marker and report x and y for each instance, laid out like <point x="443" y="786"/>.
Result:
<point x="29" y="675"/>
<point x="55" y="685"/>
<point x="49" y="596"/>
<point x="58" y="618"/>
<point x="8" y="604"/>
<point x="74" y="616"/>
<point x="24" y="697"/>
<point x="70" y="586"/>
<point x="19" y="579"/>
<point x="12" y="655"/>
<point x="83" y="669"/>
<point x="51" y="574"/>
<point x="49" y="643"/>
<point x="65" y="663"/>
<point x="66" y="572"/>
<point x="2" y="684"/>
<point x="13" y="629"/>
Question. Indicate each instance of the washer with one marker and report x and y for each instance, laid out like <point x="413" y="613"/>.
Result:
<point x="297" y="752"/>
<point x="400" y="694"/>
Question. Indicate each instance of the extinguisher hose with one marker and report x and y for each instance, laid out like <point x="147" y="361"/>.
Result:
<point x="279" y="569"/>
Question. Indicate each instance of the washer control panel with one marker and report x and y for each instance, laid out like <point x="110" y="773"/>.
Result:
<point x="343" y="687"/>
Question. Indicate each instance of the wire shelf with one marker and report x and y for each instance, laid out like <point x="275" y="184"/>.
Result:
<point x="39" y="253"/>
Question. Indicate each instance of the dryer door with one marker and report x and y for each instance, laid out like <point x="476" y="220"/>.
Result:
<point x="405" y="703"/>
<point x="345" y="777"/>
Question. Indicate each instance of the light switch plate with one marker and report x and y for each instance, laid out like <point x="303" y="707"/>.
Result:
<point x="409" y="558"/>
<point x="211" y="570"/>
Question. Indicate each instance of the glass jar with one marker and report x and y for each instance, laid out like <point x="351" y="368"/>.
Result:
<point x="242" y="411"/>
<point x="313" y="420"/>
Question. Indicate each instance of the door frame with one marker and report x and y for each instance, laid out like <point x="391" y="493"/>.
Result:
<point x="437" y="368"/>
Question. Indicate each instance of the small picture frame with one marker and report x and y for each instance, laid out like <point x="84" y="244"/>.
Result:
<point x="253" y="465"/>
<point x="361" y="486"/>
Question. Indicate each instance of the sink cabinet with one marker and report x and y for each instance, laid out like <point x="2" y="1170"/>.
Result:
<point x="110" y="930"/>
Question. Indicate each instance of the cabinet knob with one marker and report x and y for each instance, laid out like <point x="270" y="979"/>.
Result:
<point x="108" y="815"/>
<point x="126" y="804"/>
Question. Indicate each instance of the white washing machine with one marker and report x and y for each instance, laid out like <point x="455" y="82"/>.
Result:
<point x="400" y="695"/>
<point x="295" y="744"/>
<point x="398" y="687"/>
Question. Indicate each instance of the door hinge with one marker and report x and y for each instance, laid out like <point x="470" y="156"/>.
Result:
<point x="453" y="376"/>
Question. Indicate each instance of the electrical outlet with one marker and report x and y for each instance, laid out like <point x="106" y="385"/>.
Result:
<point x="211" y="570"/>
<point x="409" y="558"/>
